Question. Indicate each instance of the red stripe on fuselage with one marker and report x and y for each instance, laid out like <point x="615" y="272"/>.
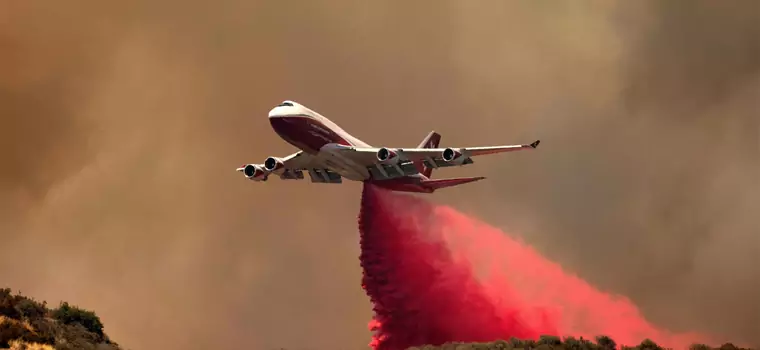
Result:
<point x="305" y="133"/>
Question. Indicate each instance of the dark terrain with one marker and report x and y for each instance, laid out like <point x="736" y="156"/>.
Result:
<point x="26" y="324"/>
<point x="546" y="343"/>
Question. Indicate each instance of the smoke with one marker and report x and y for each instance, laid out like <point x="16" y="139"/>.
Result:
<point x="649" y="170"/>
<point x="120" y="127"/>
<point x="124" y="199"/>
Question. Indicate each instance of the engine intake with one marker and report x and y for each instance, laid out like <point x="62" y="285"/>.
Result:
<point x="253" y="171"/>
<point x="449" y="154"/>
<point x="272" y="164"/>
<point x="386" y="155"/>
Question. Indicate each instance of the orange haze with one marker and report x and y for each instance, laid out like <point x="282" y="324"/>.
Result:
<point x="121" y="125"/>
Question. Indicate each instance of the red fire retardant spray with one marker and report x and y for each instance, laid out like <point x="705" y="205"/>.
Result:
<point x="435" y="275"/>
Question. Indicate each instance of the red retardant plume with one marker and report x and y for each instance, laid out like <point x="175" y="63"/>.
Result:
<point x="435" y="275"/>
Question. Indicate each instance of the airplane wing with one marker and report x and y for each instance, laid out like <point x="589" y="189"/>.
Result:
<point x="403" y="158"/>
<point x="291" y="168"/>
<point x="297" y="161"/>
<point x="415" y="154"/>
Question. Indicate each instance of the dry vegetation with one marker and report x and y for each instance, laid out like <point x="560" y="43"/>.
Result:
<point x="26" y="324"/>
<point x="549" y="342"/>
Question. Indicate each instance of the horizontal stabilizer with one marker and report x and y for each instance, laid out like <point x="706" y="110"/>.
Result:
<point x="443" y="183"/>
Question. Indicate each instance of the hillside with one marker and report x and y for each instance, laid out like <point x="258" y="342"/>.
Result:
<point x="547" y="343"/>
<point x="28" y="324"/>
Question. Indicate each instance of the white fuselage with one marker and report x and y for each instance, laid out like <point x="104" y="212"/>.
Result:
<point x="318" y="136"/>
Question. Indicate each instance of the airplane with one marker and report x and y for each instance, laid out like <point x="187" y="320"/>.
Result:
<point x="329" y="154"/>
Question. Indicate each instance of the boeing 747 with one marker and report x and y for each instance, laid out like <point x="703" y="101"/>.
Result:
<point x="329" y="154"/>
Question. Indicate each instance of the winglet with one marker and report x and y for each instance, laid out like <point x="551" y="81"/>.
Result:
<point x="535" y="144"/>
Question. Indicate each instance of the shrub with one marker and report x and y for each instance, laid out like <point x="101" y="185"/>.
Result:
<point x="522" y="344"/>
<point x="700" y="347"/>
<point x="75" y="336"/>
<point x="31" y="309"/>
<point x="551" y="343"/>
<point x="68" y="314"/>
<point x="500" y="345"/>
<point x="606" y="342"/>
<point x="26" y="322"/>
<point x="575" y="344"/>
<point x="549" y="340"/>
<point x="7" y="304"/>
<point x="648" y="344"/>
<point x="45" y="328"/>
<point x="11" y="329"/>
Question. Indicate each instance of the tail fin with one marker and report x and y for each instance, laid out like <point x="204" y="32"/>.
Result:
<point x="443" y="183"/>
<point x="431" y="141"/>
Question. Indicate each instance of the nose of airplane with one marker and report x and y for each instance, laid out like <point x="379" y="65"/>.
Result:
<point x="284" y="108"/>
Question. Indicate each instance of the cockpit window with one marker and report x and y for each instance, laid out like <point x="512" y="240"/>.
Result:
<point x="284" y="104"/>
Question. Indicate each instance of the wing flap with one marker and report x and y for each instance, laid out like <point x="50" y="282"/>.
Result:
<point x="440" y="163"/>
<point x="387" y="171"/>
<point x="324" y="176"/>
<point x="292" y="174"/>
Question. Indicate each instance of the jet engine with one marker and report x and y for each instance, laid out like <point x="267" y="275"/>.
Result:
<point x="387" y="156"/>
<point x="450" y="155"/>
<point x="271" y="164"/>
<point x="254" y="172"/>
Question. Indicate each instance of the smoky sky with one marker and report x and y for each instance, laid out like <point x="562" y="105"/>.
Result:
<point x="121" y="126"/>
